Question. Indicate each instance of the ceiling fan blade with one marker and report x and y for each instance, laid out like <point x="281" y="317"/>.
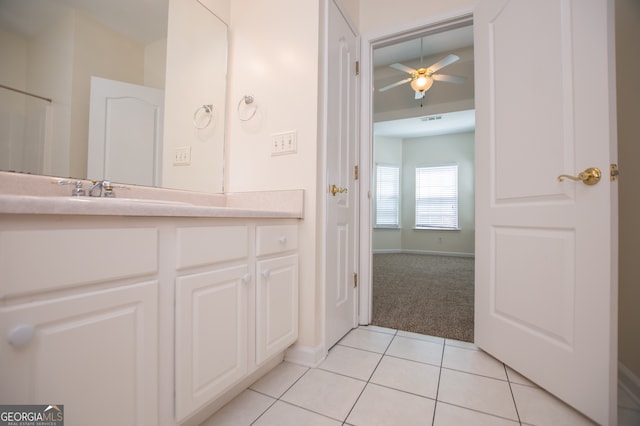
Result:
<point x="447" y="60"/>
<point x="397" y="83"/>
<point x="404" y="68"/>
<point x="448" y="78"/>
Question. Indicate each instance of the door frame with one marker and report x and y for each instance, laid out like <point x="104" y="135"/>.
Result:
<point x="368" y="43"/>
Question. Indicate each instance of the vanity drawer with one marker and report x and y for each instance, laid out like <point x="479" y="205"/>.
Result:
<point x="276" y="239"/>
<point x="50" y="259"/>
<point x="198" y="246"/>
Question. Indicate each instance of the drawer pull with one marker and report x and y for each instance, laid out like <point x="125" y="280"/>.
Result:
<point x="282" y="240"/>
<point x="266" y="273"/>
<point x="21" y="335"/>
<point x="246" y="278"/>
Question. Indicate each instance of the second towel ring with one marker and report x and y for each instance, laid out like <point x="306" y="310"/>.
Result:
<point x="247" y="100"/>
<point x="208" y="109"/>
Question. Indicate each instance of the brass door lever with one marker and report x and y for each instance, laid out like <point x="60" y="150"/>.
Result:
<point x="336" y="190"/>
<point x="590" y="176"/>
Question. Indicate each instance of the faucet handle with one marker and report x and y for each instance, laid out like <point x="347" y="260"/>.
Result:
<point x="78" y="191"/>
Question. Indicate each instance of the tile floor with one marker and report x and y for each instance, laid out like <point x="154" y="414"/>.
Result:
<point x="378" y="376"/>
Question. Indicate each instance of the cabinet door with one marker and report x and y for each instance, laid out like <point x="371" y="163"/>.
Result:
<point x="90" y="352"/>
<point x="277" y="305"/>
<point x="211" y="335"/>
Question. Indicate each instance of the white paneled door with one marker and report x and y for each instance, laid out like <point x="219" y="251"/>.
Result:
<point x="546" y="260"/>
<point x="125" y="133"/>
<point x="341" y="183"/>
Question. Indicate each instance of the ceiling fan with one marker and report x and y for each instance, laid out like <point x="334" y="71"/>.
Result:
<point x="422" y="78"/>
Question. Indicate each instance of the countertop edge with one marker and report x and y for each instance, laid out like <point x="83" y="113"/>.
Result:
<point x="37" y="205"/>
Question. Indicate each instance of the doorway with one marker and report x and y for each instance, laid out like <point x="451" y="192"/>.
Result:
<point x="422" y="239"/>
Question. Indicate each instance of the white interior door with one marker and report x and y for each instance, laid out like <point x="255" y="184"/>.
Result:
<point x="546" y="259"/>
<point x="341" y="234"/>
<point x="125" y="132"/>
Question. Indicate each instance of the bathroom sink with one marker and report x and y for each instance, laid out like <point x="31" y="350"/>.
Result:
<point x="129" y="201"/>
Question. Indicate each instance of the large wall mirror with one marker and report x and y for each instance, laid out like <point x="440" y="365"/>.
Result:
<point x="68" y="63"/>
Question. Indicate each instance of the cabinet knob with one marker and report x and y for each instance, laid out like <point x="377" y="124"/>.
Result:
<point x="266" y="273"/>
<point x="246" y="278"/>
<point x="21" y="335"/>
<point x="282" y="240"/>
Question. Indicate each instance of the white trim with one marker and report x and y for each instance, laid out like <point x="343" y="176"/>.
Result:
<point x="368" y="40"/>
<point x="629" y="382"/>
<point x="427" y="252"/>
<point x="307" y="356"/>
<point x="322" y="183"/>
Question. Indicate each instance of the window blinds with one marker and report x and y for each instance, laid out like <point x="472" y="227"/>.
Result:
<point x="387" y="195"/>
<point x="437" y="197"/>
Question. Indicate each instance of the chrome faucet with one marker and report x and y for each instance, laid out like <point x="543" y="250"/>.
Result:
<point x="78" y="190"/>
<point x="101" y="185"/>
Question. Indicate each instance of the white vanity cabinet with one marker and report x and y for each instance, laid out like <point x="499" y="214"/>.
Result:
<point x="211" y="313"/>
<point x="276" y="289"/>
<point x="78" y="320"/>
<point x="163" y="318"/>
<point x="236" y="306"/>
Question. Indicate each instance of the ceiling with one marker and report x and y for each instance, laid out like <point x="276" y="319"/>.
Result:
<point x="142" y="20"/>
<point x="433" y="45"/>
<point x="430" y="125"/>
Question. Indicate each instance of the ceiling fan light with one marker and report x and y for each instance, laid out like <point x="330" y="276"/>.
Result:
<point x="422" y="83"/>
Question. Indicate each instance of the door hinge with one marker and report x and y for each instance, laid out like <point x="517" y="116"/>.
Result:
<point x="614" y="172"/>
<point x="355" y="280"/>
<point x="356" y="172"/>
<point x="357" y="67"/>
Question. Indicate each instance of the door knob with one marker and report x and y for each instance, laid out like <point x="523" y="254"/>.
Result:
<point x="336" y="190"/>
<point x="21" y="335"/>
<point x="590" y="176"/>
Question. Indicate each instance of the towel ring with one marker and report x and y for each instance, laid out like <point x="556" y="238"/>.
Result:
<point x="208" y="109"/>
<point x="247" y="100"/>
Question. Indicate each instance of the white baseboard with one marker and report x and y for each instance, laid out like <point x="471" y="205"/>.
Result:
<point x="433" y="253"/>
<point x="629" y="381"/>
<point x="305" y="355"/>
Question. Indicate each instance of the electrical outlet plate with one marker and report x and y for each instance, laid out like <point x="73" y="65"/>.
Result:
<point x="182" y="156"/>
<point x="284" y="143"/>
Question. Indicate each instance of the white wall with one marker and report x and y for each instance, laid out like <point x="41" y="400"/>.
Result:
<point x="195" y="76"/>
<point x="378" y="16"/>
<point x="59" y="63"/>
<point x="103" y="52"/>
<point x="274" y="58"/>
<point x="13" y="73"/>
<point x="445" y="149"/>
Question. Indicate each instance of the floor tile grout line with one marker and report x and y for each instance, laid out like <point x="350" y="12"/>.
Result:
<point x="279" y="397"/>
<point x="435" y="406"/>
<point x="309" y="410"/>
<point x="513" y="397"/>
<point x="298" y="406"/>
<point x="267" y="409"/>
<point x="475" y="374"/>
<point x="402" y="391"/>
<point x="475" y="410"/>
<point x="368" y="380"/>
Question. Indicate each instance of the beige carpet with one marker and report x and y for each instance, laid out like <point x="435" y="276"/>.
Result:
<point x="424" y="294"/>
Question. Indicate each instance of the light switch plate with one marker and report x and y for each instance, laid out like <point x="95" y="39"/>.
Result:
<point x="182" y="156"/>
<point x="284" y="143"/>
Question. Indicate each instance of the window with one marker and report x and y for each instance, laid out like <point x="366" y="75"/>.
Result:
<point x="437" y="197"/>
<point x="387" y="196"/>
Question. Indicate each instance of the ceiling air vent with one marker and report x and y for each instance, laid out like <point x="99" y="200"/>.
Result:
<point x="431" y="118"/>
